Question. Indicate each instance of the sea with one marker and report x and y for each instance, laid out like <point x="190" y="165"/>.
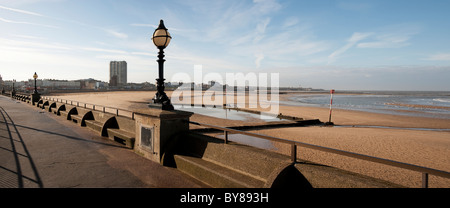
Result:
<point x="433" y="104"/>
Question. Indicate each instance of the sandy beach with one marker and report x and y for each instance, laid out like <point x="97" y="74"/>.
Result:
<point x="430" y="148"/>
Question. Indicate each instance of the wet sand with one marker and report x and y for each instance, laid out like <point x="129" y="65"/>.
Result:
<point x="425" y="148"/>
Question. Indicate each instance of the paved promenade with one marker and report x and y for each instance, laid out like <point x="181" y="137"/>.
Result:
<point x="39" y="149"/>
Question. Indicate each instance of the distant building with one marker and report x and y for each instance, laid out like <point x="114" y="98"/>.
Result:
<point x="58" y="84"/>
<point x="18" y="85"/>
<point x="117" y="73"/>
<point x="92" y="84"/>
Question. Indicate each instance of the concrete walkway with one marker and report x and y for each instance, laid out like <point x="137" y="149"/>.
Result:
<point x="39" y="149"/>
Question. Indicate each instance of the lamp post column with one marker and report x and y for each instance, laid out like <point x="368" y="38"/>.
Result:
<point x="35" y="87"/>
<point x="161" y="61"/>
<point x="161" y="96"/>
<point x="13" y="92"/>
<point x="160" y="81"/>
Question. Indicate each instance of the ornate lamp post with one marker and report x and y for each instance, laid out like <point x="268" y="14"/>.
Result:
<point x="35" y="96"/>
<point x="13" y="92"/>
<point x="161" y="38"/>
<point x="35" y="76"/>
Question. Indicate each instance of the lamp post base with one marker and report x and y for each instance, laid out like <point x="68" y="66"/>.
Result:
<point x="35" y="97"/>
<point x="161" y="106"/>
<point x="161" y="99"/>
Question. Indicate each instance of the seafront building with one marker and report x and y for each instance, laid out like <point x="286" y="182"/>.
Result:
<point x="54" y="85"/>
<point x="117" y="73"/>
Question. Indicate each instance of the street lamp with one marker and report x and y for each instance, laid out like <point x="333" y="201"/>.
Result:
<point x="35" y="76"/>
<point x="13" y="92"/>
<point x="161" y="38"/>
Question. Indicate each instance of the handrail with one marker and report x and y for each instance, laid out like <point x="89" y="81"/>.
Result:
<point x="424" y="170"/>
<point x="84" y="105"/>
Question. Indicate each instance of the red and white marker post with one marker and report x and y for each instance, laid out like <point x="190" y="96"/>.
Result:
<point x="331" y="103"/>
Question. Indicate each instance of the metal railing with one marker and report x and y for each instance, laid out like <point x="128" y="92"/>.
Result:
<point x="294" y="144"/>
<point x="104" y="109"/>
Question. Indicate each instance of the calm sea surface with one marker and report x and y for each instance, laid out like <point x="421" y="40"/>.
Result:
<point x="420" y="103"/>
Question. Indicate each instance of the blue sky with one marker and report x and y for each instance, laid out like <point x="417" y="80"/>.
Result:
<point x="340" y="44"/>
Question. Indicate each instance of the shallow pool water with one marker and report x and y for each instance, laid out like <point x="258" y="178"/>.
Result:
<point x="250" y="140"/>
<point x="219" y="112"/>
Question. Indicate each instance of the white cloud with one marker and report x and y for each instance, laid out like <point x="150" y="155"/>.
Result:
<point x="21" y="11"/>
<point x="358" y="37"/>
<point x="116" y="34"/>
<point x="439" y="57"/>
<point x="27" y="23"/>
<point x="104" y="50"/>
<point x="30" y="37"/>
<point x="387" y="41"/>
<point x="290" y="21"/>
<point x="259" y="58"/>
<point x="187" y="58"/>
<point x="233" y="20"/>
<point x="142" y="53"/>
<point x="17" y="3"/>
<point x="393" y="36"/>
<point x="239" y="29"/>
<point x="24" y="45"/>
<point x="355" y="38"/>
<point x="143" y="25"/>
<point x="35" y="44"/>
<point x="260" y="30"/>
<point x="249" y="32"/>
<point x="266" y="6"/>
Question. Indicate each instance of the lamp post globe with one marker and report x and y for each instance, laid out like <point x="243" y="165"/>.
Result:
<point x="161" y="38"/>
